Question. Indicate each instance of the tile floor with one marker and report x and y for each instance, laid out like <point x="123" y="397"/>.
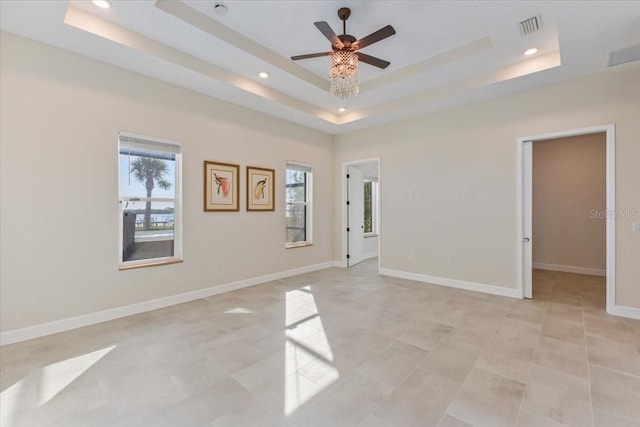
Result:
<point x="339" y="348"/>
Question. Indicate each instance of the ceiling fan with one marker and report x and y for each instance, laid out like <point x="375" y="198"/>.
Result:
<point x="347" y="42"/>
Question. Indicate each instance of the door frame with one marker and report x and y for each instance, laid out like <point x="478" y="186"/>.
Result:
<point x="344" y="237"/>
<point x="355" y="225"/>
<point x="521" y="170"/>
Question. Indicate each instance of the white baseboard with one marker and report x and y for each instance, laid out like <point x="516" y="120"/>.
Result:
<point x="621" y="310"/>
<point x="570" y="269"/>
<point x="454" y="283"/>
<point x="371" y="255"/>
<point x="63" y="325"/>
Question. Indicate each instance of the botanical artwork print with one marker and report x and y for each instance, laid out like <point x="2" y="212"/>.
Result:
<point x="221" y="190"/>
<point x="260" y="189"/>
<point x="221" y="187"/>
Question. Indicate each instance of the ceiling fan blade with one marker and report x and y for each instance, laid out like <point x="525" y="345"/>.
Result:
<point x="374" y="37"/>
<point x="310" y="55"/>
<point x="372" y="60"/>
<point x="328" y="33"/>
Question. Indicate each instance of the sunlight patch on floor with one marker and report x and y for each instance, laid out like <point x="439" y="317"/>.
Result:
<point x="57" y="376"/>
<point x="9" y="403"/>
<point x="301" y="311"/>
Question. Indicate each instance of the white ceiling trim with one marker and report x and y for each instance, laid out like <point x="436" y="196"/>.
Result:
<point x="90" y="23"/>
<point x="482" y="45"/>
<point x="446" y="54"/>
<point x="87" y="22"/>
<point x="199" y="20"/>
<point x="508" y="72"/>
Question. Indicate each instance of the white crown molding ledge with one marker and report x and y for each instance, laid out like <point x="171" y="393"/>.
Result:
<point x="97" y="26"/>
<point x="50" y="328"/>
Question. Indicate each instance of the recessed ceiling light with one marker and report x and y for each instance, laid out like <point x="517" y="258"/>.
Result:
<point x="263" y="75"/>
<point x="531" y="51"/>
<point x="103" y="4"/>
<point x="342" y="109"/>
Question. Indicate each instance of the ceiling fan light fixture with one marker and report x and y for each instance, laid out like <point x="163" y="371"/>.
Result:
<point x="343" y="76"/>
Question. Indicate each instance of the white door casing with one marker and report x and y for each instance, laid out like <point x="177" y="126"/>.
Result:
<point x="355" y="215"/>
<point x="527" y="248"/>
<point x="525" y="215"/>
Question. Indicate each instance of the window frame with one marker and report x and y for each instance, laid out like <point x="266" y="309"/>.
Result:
<point x="176" y="200"/>
<point x="374" y="207"/>
<point x="308" y="203"/>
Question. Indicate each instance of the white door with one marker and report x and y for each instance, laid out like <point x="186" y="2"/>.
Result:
<point x="527" y="220"/>
<point x="355" y="216"/>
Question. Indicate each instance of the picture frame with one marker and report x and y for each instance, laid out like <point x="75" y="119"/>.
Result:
<point x="260" y="189"/>
<point x="221" y="187"/>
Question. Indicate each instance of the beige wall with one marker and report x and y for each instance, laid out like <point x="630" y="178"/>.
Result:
<point x="61" y="114"/>
<point x="569" y="184"/>
<point x="463" y="161"/>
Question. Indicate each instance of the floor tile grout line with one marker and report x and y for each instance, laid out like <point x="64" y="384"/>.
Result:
<point x="535" y="350"/>
<point x="618" y="416"/>
<point x="408" y="374"/>
<point x="586" y="356"/>
<point x="446" y="411"/>
<point x="617" y="371"/>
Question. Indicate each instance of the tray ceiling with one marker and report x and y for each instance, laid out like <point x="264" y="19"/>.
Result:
<point x="444" y="53"/>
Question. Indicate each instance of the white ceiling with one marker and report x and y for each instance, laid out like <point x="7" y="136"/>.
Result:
<point x="445" y="53"/>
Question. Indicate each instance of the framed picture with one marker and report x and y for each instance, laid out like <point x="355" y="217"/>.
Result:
<point x="260" y="189"/>
<point x="221" y="187"/>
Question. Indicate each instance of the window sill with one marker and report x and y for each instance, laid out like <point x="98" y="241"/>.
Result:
<point x="150" y="264"/>
<point x="154" y="238"/>
<point x="366" y="236"/>
<point x="298" y="245"/>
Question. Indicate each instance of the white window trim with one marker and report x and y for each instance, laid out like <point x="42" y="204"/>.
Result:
<point x="308" y="203"/>
<point x="177" y="208"/>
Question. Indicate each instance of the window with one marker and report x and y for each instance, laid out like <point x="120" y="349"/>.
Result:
<point x="149" y="195"/>
<point x="298" y="211"/>
<point x="370" y="207"/>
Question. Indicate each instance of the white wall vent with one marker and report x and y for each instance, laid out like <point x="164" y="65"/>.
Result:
<point x="531" y="25"/>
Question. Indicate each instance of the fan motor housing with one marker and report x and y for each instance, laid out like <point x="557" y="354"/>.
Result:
<point x="347" y="40"/>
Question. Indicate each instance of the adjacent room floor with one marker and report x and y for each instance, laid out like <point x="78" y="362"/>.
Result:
<point x="340" y="347"/>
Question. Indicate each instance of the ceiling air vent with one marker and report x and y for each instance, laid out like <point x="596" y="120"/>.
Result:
<point x="531" y="25"/>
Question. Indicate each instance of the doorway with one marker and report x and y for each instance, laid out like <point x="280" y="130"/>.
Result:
<point x="525" y="208"/>
<point x="361" y="202"/>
